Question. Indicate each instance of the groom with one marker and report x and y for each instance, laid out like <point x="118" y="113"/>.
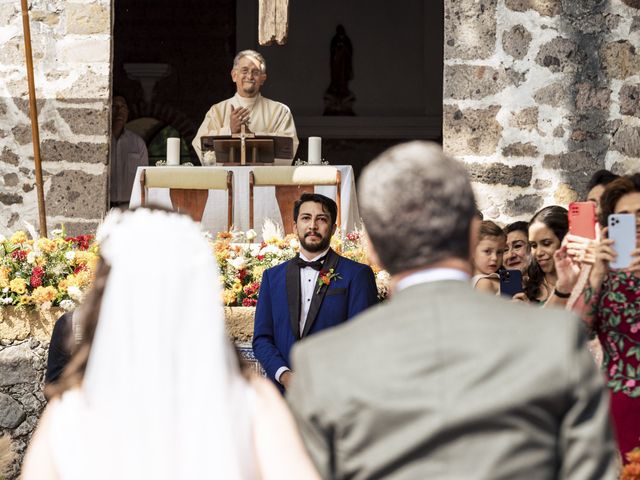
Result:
<point x="316" y="290"/>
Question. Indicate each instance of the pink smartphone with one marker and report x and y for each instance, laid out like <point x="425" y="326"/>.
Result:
<point x="622" y="229"/>
<point x="582" y="219"/>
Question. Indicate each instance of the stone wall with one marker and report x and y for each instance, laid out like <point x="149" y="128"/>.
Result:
<point x="71" y="44"/>
<point x="538" y="95"/>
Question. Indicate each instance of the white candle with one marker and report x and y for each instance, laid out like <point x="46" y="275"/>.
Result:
<point x="173" y="151"/>
<point x="315" y="150"/>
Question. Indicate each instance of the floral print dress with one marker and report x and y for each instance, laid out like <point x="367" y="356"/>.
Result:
<point x="617" y="324"/>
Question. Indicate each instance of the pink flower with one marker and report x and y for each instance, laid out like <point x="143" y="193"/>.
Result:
<point x="613" y="370"/>
<point x="635" y="327"/>
<point x="630" y="383"/>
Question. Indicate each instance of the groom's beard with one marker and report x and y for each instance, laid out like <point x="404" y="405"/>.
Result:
<point x="318" y="246"/>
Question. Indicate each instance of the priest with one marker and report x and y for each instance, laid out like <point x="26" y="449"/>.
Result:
<point x="260" y="115"/>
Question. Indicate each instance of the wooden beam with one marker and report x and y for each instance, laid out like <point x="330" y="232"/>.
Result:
<point x="273" y="22"/>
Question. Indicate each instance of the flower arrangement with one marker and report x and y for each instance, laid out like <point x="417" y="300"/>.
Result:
<point x="631" y="471"/>
<point x="57" y="271"/>
<point x="45" y="272"/>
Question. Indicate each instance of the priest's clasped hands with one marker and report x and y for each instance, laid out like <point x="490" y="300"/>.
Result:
<point x="238" y="117"/>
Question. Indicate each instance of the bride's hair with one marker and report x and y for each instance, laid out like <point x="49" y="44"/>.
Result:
<point x="87" y="316"/>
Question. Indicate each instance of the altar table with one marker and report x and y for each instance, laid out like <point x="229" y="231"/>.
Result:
<point x="265" y="204"/>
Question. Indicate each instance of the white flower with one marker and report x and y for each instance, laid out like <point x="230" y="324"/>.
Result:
<point x="75" y="293"/>
<point x="270" y="249"/>
<point x="251" y="234"/>
<point x="238" y="263"/>
<point x="2" y="238"/>
<point x="6" y="300"/>
<point x="31" y="257"/>
<point x="70" y="255"/>
<point x="67" y="305"/>
<point x="294" y="243"/>
<point x="271" y="231"/>
<point x="56" y="232"/>
<point x="5" y="289"/>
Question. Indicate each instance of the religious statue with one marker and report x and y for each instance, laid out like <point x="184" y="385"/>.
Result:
<point x="338" y="99"/>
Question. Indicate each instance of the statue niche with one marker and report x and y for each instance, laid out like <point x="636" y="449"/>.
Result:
<point x="338" y="99"/>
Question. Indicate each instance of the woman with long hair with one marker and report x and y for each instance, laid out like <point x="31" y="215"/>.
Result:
<point x="610" y="304"/>
<point x="547" y="229"/>
<point x="154" y="389"/>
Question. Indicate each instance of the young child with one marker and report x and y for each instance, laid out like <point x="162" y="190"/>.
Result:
<point x="487" y="257"/>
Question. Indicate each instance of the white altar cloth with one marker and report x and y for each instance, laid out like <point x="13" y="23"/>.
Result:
<point x="264" y="199"/>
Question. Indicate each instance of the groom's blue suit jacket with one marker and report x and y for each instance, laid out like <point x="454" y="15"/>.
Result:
<point x="276" y="326"/>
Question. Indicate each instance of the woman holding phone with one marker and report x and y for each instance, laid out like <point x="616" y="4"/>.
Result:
<point x="610" y="304"/>
<point x="547" y="229"/>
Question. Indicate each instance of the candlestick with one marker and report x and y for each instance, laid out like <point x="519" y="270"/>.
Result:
<point x="173" y="151"/>
<point x="315" y="151"/>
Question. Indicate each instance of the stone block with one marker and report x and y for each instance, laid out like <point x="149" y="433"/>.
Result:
<point x="540" y="184"/>
<point x="524" y="205"/>
<point x="90" y="85"/>
<point x="626" y="140"/>
<point x="554" y="95"/>
<point x="473" y="82"/>
<point x="74" y="193"/>
<point x="632" y="3"/>
<point x="23" y="105"/>
<point x="86" y="121"/>
<point x="564" y="195"/>
<point x="86" y="19"/>
<point x="589" y="96"/>
<point x="79" y="228"/>
<point x="568" y="162"/>
<point x="470" y="29"/>
<point x="10" y="198"/>
<point x="525" y="119"/>
<point x="10" y="179"/>
<point x="50" y="19"/>
<point x="620" y="59"/>
<point x="499" y="173"/>
<point x="84" y="152"/>
<point x="560" y="55"/>
<point x="635" y="25"/>
<point x="630" y="100"/>
<point x="520" y="149"/>
<point x="16" y="365"/>
<point x="83" y="50"/>
<point x="471" y="131"/>
<point x="11" y="412"/>
<point x="516" y="41"/>
<point x="558" y="132"/>
<point x="547" y="8"/>
<point x="22" y="134"/>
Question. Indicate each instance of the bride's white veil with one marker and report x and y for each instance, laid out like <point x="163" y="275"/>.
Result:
<point x="164" y="397"/>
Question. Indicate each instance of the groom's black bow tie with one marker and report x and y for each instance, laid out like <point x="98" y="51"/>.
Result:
<point x="316" y="264"/>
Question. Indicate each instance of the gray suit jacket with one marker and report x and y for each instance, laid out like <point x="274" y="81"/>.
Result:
<point x="443" y="382"/>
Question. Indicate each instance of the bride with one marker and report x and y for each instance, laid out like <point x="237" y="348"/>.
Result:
<point x="155" y="389"/>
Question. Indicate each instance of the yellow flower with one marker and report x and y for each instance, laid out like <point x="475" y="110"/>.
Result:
<point x="18" y="237"/>
<point x="18" y="285"/>
<point x="221" y="279"/>
<point x="257" y="272"/>
<point x="4" y="277"/>
<point x="63" y="285"/>
<point x="228" y="297"/>
<point x="46" y="245"/>
<point x="24" y="300"/>
<point x="44" y="294"/>
<point x="83" y="278"/>
<point x="237" y="286"/>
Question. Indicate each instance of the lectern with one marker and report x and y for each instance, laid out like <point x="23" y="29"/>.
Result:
<point x="258" y="149"/>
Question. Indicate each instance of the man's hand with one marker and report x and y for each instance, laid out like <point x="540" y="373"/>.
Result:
<point x="238" y="117"/>
<point x="285" y="379"/>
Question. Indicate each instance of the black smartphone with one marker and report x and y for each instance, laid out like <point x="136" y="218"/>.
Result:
<point x="510" y="282"/>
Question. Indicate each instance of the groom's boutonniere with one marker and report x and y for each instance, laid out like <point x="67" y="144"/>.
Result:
<point x="325" y="277"/>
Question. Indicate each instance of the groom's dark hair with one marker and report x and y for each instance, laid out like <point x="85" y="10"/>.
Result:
<point x="327" y="204"/>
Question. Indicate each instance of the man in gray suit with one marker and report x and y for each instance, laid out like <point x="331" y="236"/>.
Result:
<point x="442" y="382"/>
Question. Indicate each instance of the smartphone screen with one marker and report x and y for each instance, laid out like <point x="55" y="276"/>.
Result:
<point x="510" y="282"/>
<point x="622" y="229"/>
<point x="582" y="219"/>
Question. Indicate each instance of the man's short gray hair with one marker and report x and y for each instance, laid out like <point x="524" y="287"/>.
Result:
<point x="417" y="205"/>
<point x="251" y="54"/>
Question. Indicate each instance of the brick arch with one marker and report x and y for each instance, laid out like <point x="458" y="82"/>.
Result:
<point x="169" y="116"/>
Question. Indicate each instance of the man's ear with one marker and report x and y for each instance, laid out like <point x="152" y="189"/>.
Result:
<point x="263" y="78"/>
<point x="234" y="74"/>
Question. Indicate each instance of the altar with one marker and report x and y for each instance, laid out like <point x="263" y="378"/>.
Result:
<point x="265" y="204"/>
